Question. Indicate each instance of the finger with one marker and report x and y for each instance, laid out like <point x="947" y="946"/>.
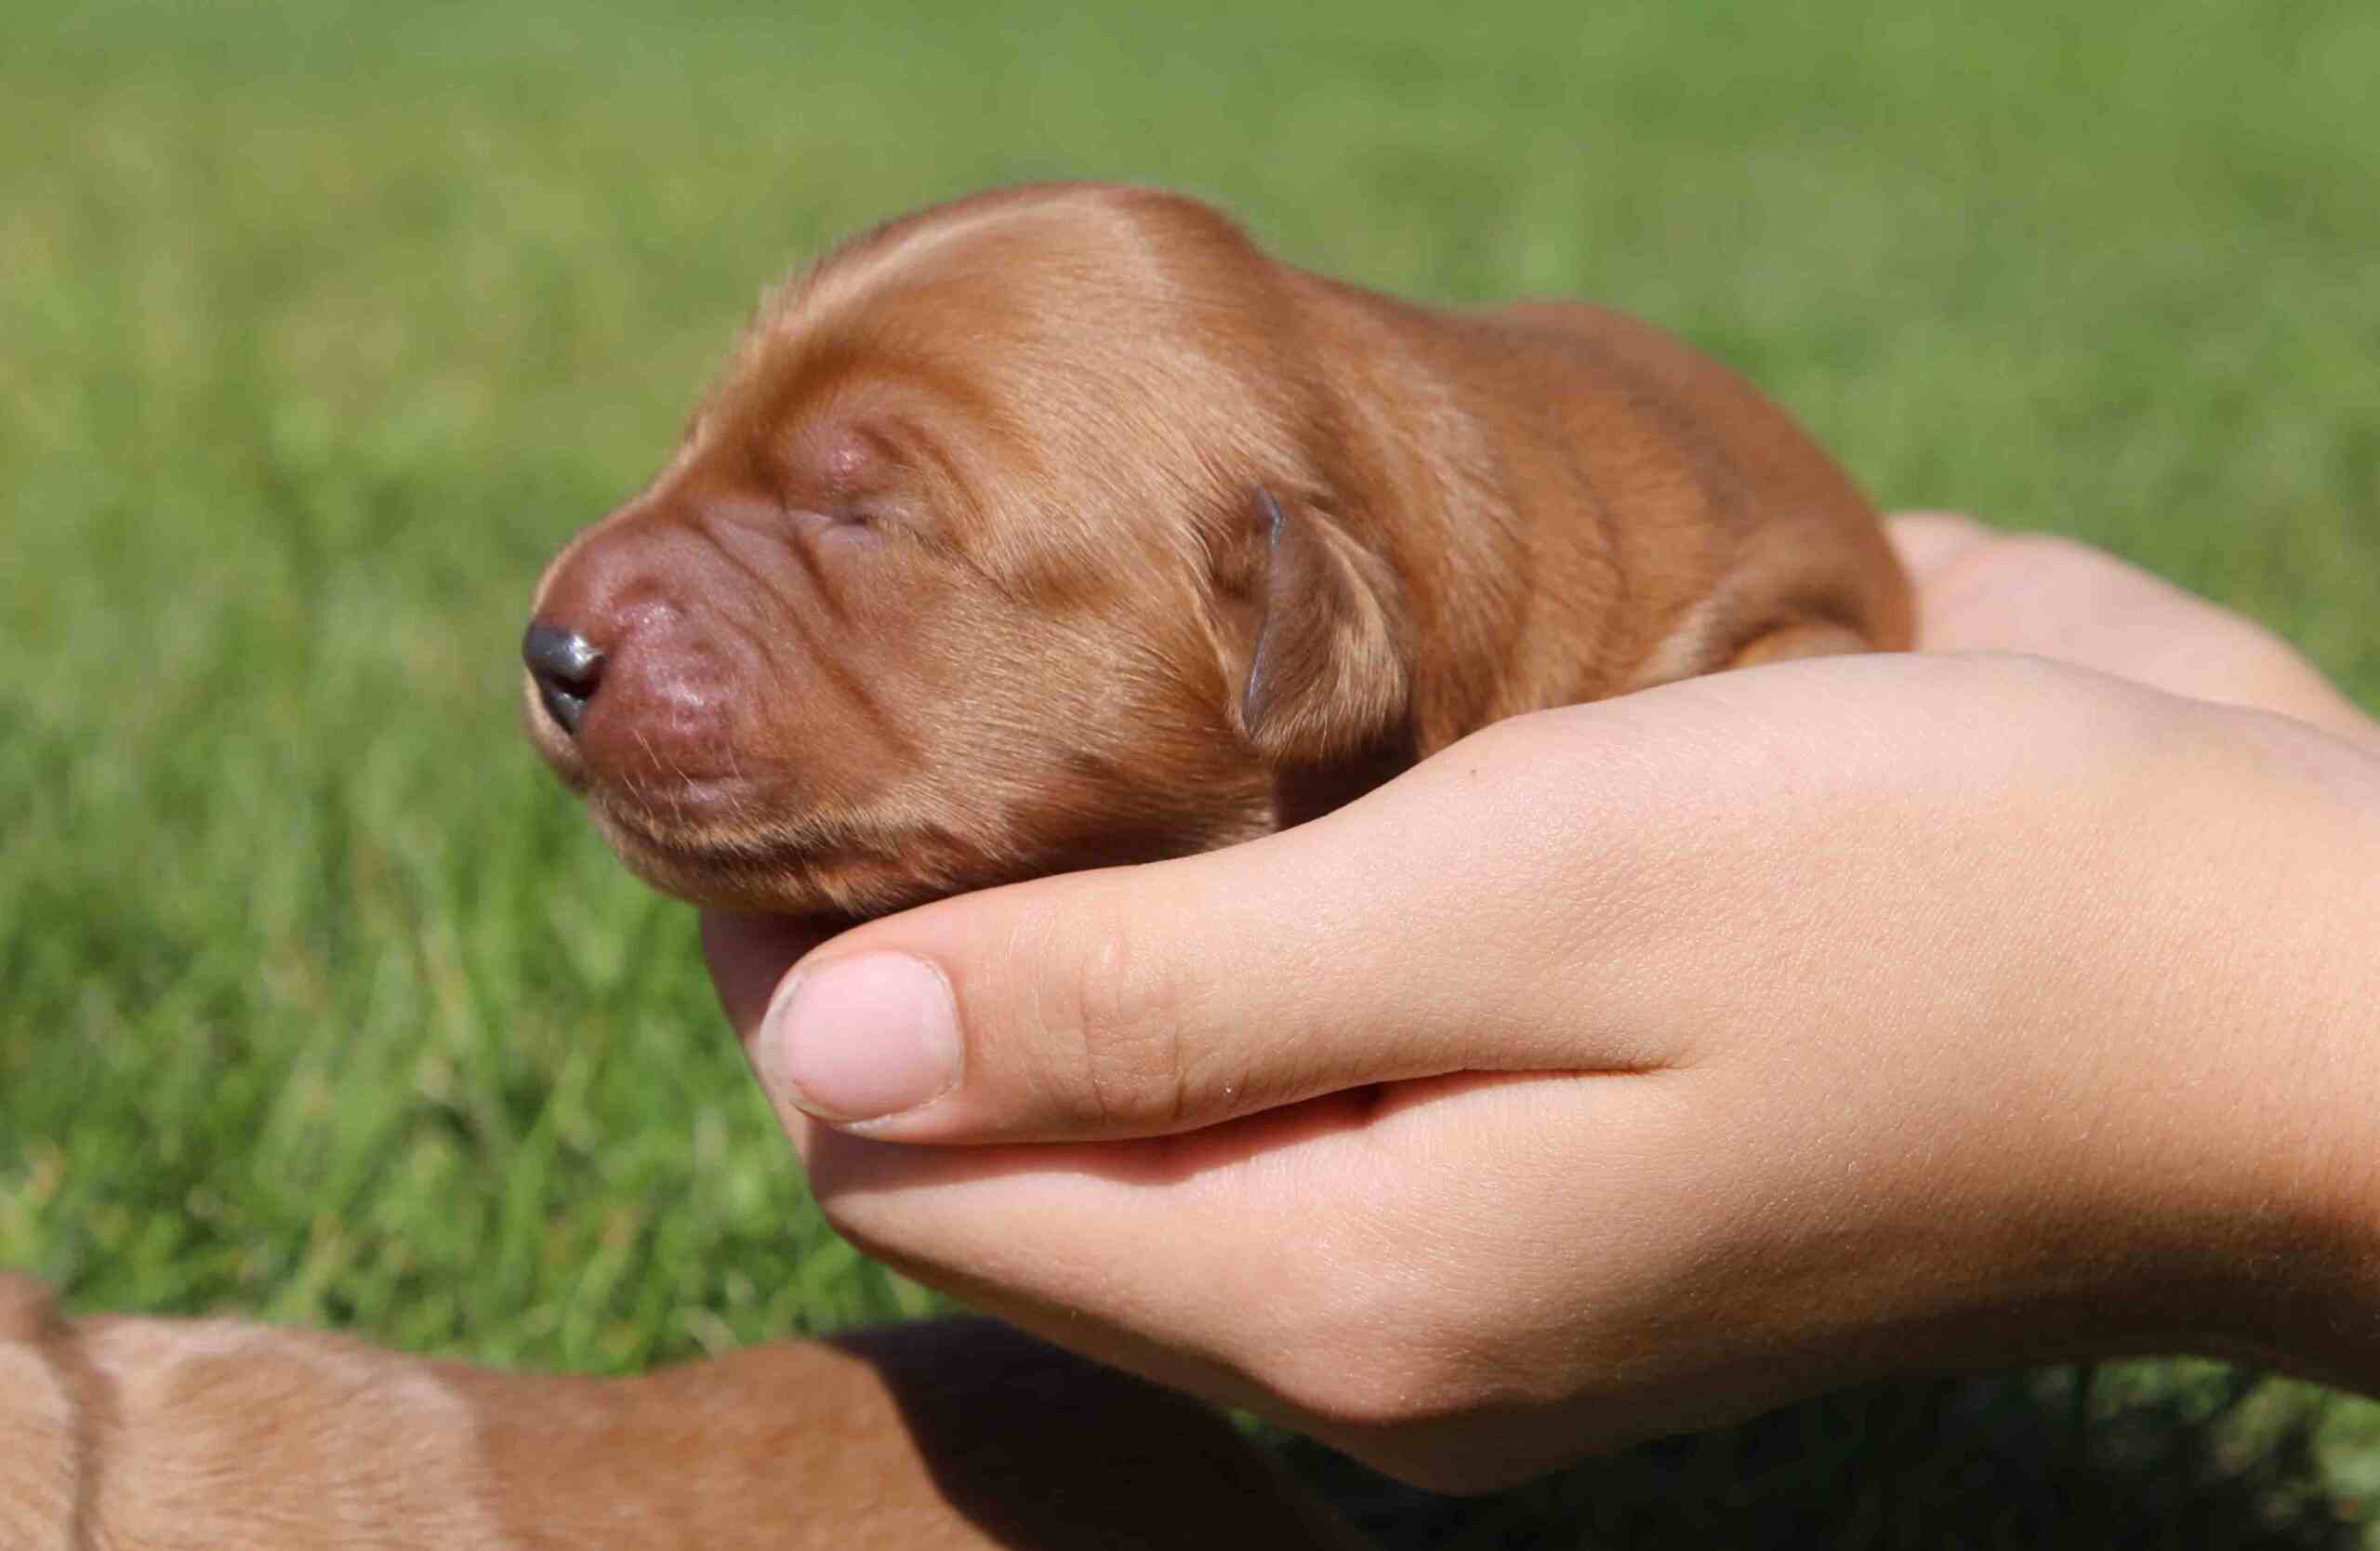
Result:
<point x="748" y="954"/>
<point x="1153" y="999"/>
<point x="1929" y="542"/>
<point x="1979" y="589"/>
<point x="1200" y="1261"/>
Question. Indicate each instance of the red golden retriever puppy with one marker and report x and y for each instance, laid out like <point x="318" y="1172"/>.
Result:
<point x="1062" y="526"/>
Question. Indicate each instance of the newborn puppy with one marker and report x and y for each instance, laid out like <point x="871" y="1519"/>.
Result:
<point x="1060" y="526"/>
<point x="956" y="1435"/>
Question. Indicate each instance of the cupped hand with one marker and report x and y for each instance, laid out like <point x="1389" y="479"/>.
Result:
<point x="1643" y="1064"/>
<point x="1982" y="590"/>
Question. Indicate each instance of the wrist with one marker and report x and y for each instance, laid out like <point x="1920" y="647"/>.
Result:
<point x="2277" y="963"/>
<point x="2334" y="1158"/>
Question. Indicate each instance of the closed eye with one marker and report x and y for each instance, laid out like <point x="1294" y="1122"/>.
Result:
<point x="847" y="526"/>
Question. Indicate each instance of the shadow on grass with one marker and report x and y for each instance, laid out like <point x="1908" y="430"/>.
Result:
<point x="2217" y="1460"/>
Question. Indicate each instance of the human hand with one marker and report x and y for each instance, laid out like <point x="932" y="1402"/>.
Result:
<point x="1982" y="590"/>
<point x="1644" y="1064"/>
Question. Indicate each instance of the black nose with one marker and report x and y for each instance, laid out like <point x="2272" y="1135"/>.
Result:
<point x="567" y="667"/>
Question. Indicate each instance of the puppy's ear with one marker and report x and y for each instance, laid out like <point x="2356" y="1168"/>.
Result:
<point x="1329" y="666"/>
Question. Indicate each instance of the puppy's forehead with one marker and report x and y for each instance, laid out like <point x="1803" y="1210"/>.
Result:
<point x="975" y="305"/>
<point x="1073" y="350"/>
<point x="1061" y="289"/>
<point x="1059" y="241"/>
<point x="1015" y="315"/>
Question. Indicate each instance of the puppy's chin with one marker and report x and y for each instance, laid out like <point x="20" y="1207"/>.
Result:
<point x="789" y="885"/>
<point x="729" y="867"/>
<point x="812" y="865"/>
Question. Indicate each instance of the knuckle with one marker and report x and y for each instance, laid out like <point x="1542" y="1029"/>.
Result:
<point x="1116" y="1037"/>
<point x="1377" y="1390"/>
<point x="2027" y="552"/>
<point x="1453" y="1415"/>
<point x="1412" y="1420"/>
<point x="1433" y="1393"/>
<point x="2020" y="566"/>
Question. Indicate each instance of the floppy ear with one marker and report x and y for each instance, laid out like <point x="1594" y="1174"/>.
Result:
<point x="1330" y="671"/>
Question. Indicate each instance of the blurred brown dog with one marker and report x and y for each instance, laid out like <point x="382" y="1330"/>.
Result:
<point x="1061" y="526"/>
<point x="159" y="1435"/>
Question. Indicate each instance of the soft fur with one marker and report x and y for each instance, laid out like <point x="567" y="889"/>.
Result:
<point x="160" y="1435"/>
<point x="1062" y="526"/>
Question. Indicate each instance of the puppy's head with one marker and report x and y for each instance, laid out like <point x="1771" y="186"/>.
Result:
<point x="1012" y="539"/>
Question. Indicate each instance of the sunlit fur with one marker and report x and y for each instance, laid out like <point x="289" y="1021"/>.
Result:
<point x="1061" y="526"/>
<point x="956" y="1434"/>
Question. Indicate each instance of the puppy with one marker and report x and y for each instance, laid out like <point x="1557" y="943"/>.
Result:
<point x="160" y="1434"/>
<point x="1061" y="526"/>
<point x="1055" y="527"/>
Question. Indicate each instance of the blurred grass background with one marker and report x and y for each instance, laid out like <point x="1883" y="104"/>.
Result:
<point x="320" y="326"/>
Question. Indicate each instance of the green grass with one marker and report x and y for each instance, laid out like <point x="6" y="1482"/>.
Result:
<point x="319" y="327"/>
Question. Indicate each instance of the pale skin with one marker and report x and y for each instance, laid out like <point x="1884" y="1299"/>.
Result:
<point x="1642" y="1065"/>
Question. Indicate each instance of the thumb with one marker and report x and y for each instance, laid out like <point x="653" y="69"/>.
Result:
<point x="1412" y="934"/>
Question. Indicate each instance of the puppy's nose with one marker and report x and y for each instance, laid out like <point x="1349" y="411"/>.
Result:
<point x="567" y="667"/>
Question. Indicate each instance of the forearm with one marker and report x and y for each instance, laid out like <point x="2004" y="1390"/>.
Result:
<point x="2295" y="1032"/>
<point x="2191" y="1046"/>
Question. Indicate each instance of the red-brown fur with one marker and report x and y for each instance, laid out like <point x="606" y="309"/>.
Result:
<point x="960" y="1434"/>
<point x="1062" y="526"/>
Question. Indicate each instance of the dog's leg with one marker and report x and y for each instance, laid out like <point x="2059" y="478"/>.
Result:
<point x="42" y="1484"/>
